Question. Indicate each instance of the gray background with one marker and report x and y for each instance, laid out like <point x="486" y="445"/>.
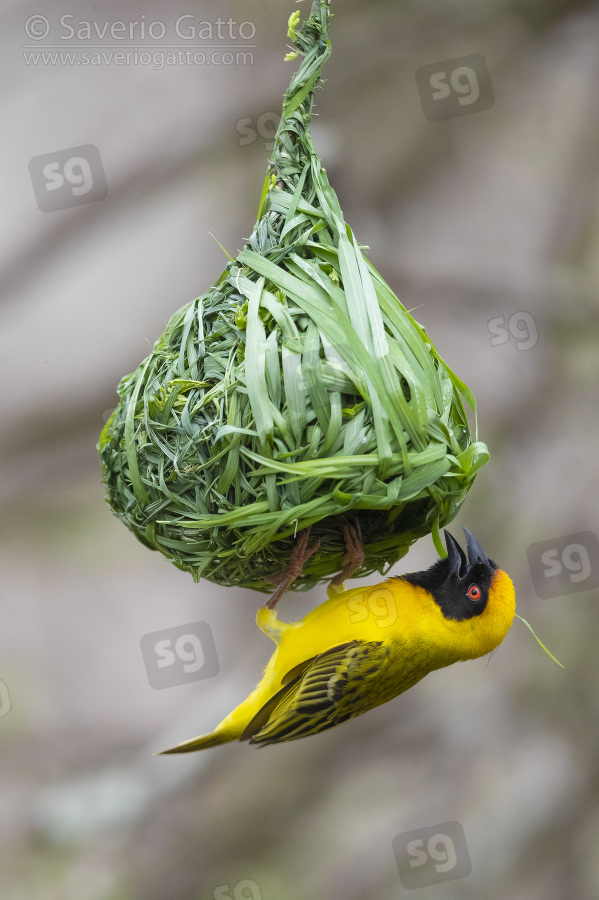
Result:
<point x="469" y="219"/>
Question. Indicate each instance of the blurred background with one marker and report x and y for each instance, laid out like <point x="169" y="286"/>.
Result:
<point x="483" y="215"/>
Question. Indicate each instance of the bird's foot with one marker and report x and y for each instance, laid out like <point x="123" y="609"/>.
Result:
<point x="354" y="557"/>
<point x="299" y="557"/>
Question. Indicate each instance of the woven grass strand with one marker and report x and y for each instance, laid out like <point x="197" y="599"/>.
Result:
<point x="297" y="388"/>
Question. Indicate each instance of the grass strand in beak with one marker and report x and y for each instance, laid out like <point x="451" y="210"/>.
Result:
<point x="539" y="641"/>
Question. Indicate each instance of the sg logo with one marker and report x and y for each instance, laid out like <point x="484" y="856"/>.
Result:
<point x="378" y="602"/>
<point x="266" y="128"/>
<point x="179" y="655"/>
<point x="238" y="891"/>
<point x="5" y="702"/>
<point x="68" y="178"/>
<point x="520" y="325"/>
<point x="432" y="855"/>
<point x="455" y="87"/>
<point x="565" y="565"/>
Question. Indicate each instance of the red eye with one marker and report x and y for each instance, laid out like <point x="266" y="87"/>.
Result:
<point x="474" y="592"/>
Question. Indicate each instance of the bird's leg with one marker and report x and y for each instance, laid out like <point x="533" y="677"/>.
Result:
<point x="354" y="557"/>
<point x="299" y="557"/>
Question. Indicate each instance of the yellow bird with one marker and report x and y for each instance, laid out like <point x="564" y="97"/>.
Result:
<point x="364" y="646"/>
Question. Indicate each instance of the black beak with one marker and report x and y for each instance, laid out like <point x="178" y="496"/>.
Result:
<point x="455" y="555"/>
<point x="458" y="564"/>
<point x="476" y="554"/>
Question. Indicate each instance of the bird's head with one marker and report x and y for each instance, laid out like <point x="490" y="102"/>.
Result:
<point x="470" y="587"/>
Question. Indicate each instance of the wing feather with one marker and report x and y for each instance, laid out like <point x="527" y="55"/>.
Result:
<point x="325" y="691"/>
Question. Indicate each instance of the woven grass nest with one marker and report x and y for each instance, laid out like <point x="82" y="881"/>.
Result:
<point x="296" y="389"/>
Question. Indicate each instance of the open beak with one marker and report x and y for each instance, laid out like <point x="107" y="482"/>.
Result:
<point x="476" y="554"/>
<point x="458" y="564"/>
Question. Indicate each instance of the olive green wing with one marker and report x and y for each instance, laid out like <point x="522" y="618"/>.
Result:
<point x="324" y="691"/>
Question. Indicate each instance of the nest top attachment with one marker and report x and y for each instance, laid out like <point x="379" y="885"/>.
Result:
<point x="297" y="388"/>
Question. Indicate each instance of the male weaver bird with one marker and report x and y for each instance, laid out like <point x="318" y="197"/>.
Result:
<point x="364" y="646"/>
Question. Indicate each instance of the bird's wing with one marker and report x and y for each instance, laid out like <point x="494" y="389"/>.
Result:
<point x="324" y="691"/>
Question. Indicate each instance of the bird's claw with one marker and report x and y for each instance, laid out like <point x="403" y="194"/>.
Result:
<point x="354" y="557"/>
<point x="300" y="555"/>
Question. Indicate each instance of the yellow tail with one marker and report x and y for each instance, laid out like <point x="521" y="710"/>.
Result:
<point x="203" y="742"/>
<point x="234" y="727"/>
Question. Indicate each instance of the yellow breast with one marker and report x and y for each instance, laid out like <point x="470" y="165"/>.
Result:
<point x="396" y="611"/>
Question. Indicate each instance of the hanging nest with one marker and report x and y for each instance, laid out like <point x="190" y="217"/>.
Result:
<point x="296" y="389"/>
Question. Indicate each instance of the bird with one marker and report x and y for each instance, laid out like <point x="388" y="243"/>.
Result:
<point x="364" y="646"/>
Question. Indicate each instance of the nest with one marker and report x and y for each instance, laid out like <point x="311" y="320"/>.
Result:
<point x="296" y="389"/>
